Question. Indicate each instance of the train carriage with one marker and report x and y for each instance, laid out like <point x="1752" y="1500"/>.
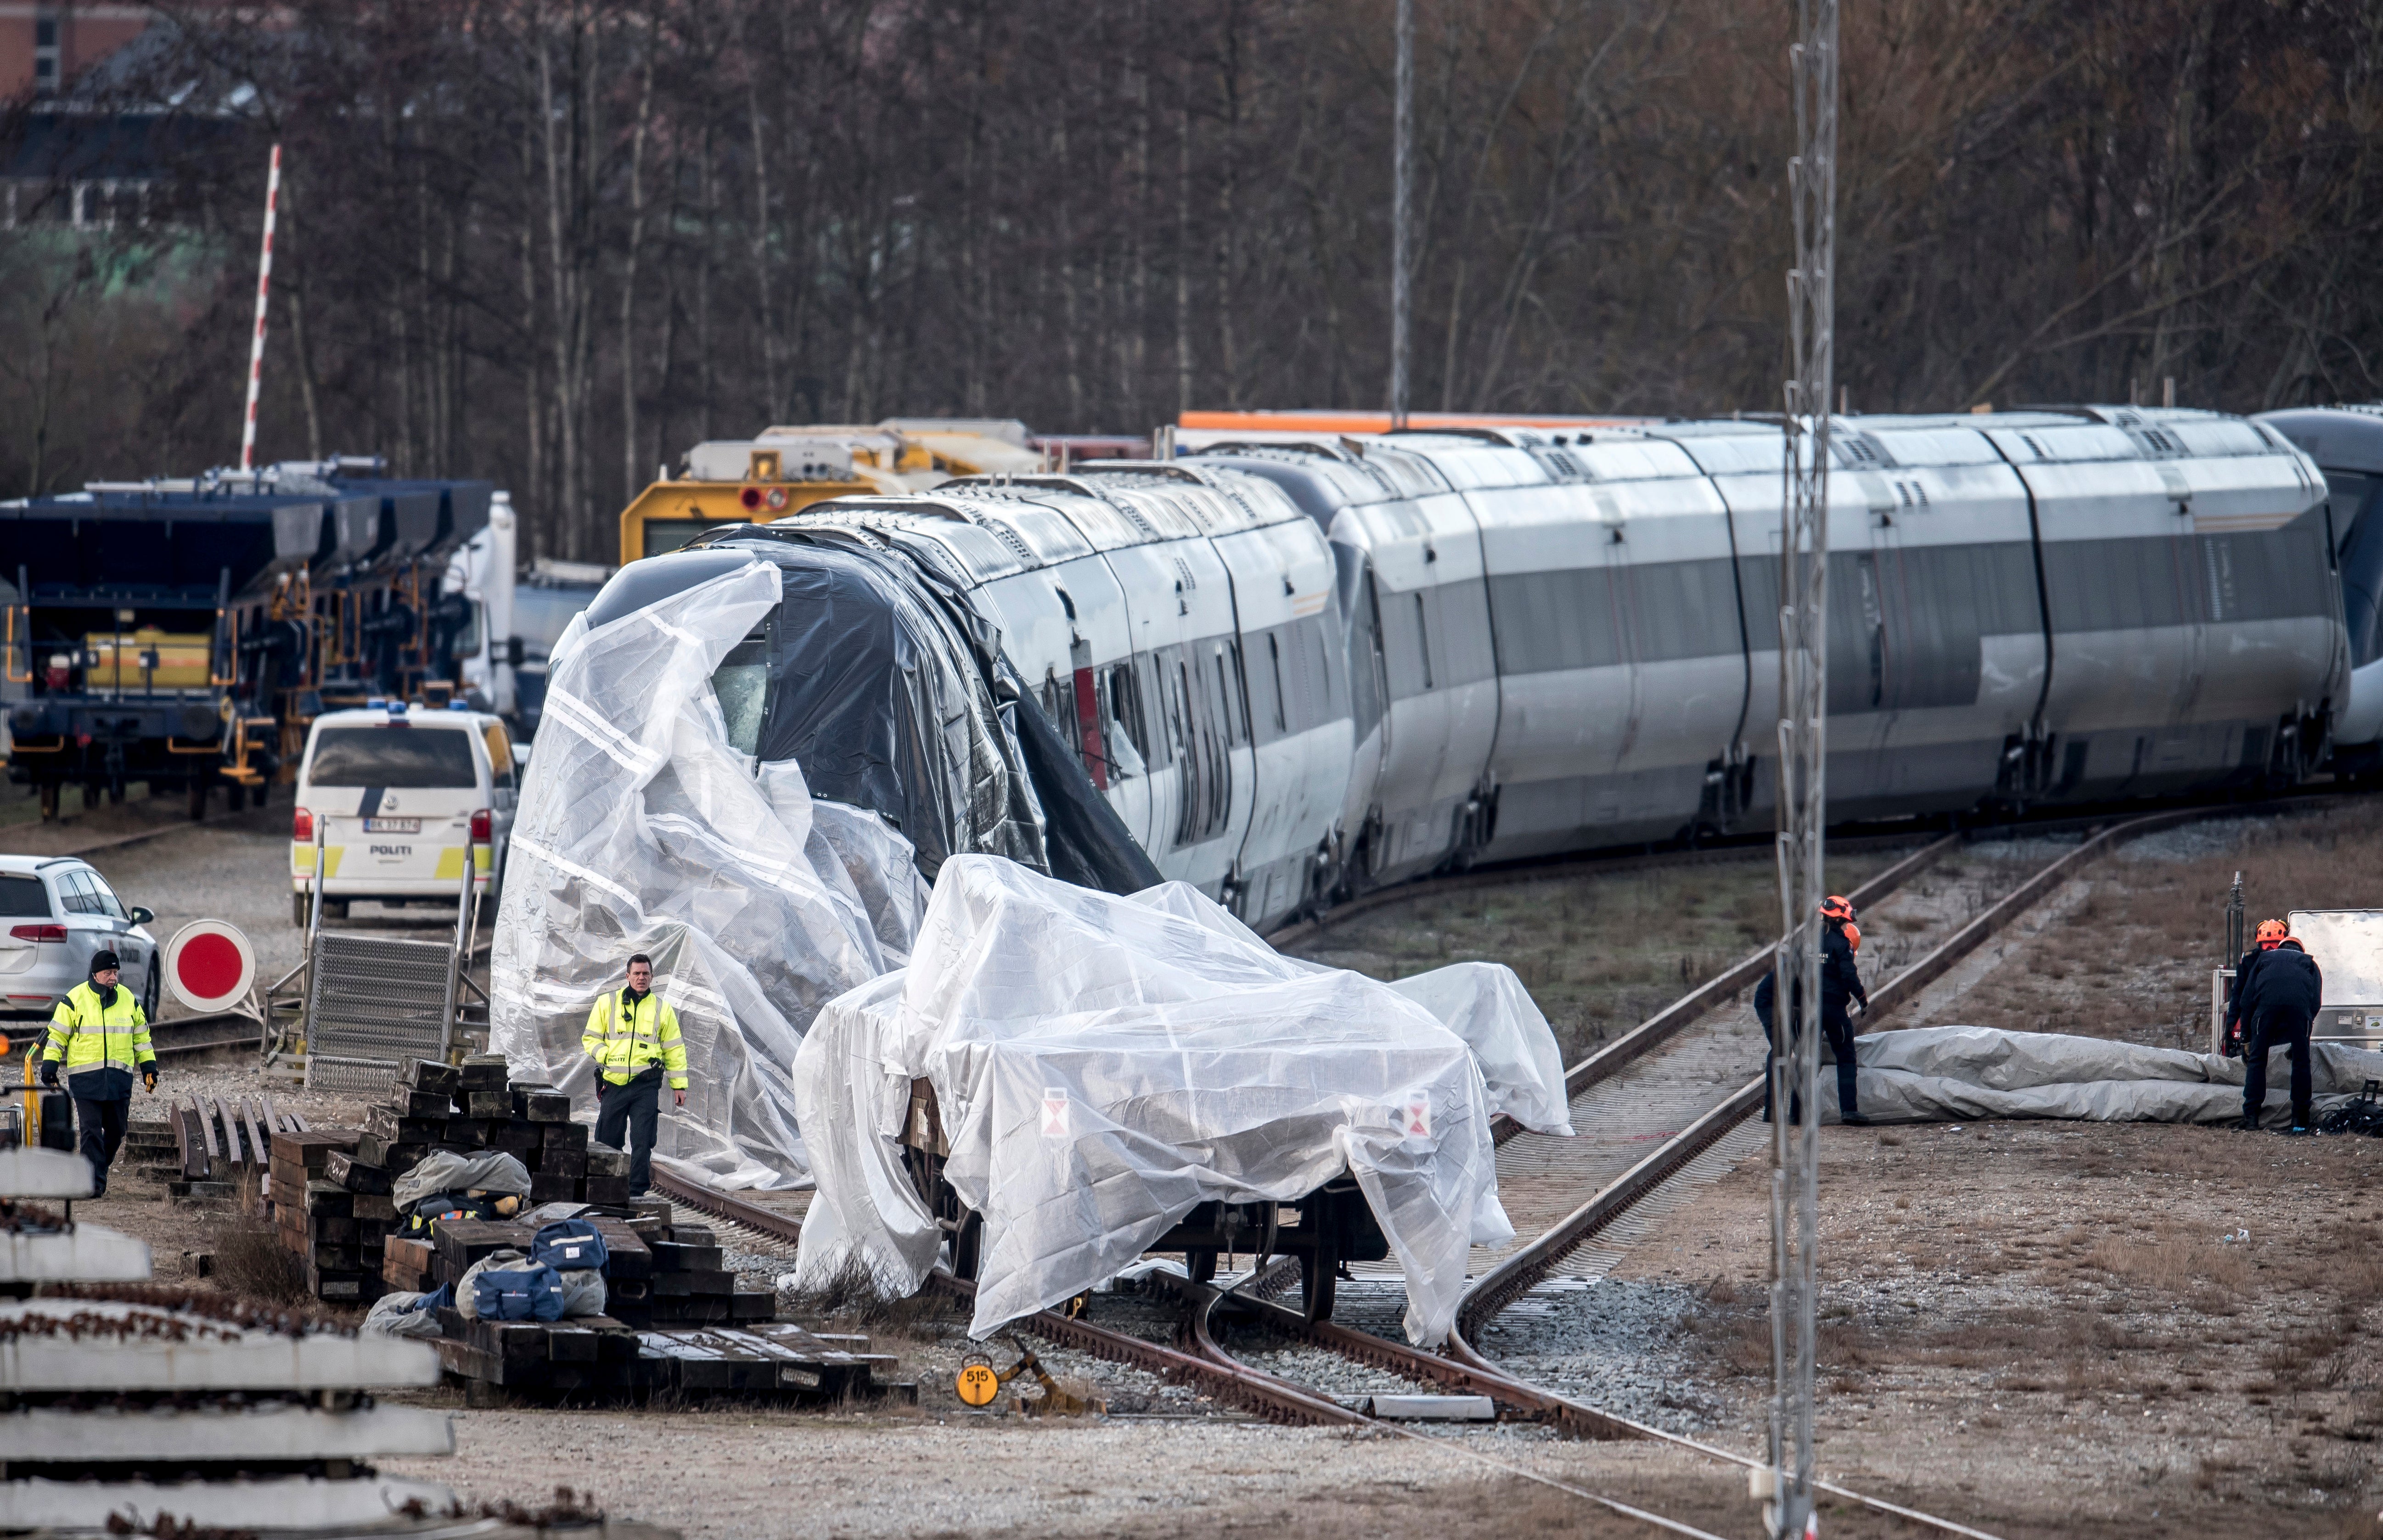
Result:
<point x="1285" y="671"/>
<point x="2346" y="443"/>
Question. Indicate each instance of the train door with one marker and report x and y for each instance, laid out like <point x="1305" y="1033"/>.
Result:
<point x="1862" y="647"/>
<point x="1296" y="706"/>
<point x="1185" y="667"/>
<point x="1951" y="574"/>
<point x="1430" y="604"/>
<point x="1668" y="551"/>
<point x="1155" y="617"/>
<point x="2125" y="603"/>
<point x="1568" y="698"/>
<point x="1066" y="631"/>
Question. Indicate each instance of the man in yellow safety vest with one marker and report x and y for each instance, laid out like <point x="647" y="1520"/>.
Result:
<point x="99" y="1033"/>
<point x="632" y="1036"/>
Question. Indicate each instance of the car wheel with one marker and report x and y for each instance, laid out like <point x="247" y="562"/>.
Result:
<point x="298" y="910"/>
<point x="148" y="1006"/>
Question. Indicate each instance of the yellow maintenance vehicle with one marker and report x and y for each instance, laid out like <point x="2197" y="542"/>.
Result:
<point x="785" y="470"/>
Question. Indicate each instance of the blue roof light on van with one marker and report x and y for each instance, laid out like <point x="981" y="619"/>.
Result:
<point x="376" y="702"/>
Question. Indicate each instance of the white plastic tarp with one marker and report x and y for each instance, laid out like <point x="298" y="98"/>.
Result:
<point x="641" y="829"/>
<point x="1103" y="1064"/>
<point x="1960" y="1074"/>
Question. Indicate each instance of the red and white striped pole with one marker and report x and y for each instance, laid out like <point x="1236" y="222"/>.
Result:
<point x="263" y="283"/>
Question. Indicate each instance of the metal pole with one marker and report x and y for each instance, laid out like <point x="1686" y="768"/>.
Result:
<point x="466" y="922"/>
<point x="314" y="937"/>
<point x="256" y="344"/>
<point x="1803" y="762"/>
<point x="1401" y="210"/>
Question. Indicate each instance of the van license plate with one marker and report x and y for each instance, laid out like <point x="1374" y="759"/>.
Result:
<point x="392" y="826"/>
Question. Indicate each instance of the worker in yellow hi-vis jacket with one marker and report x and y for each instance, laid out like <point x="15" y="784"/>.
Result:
<point x="102" y="1036"/>
<point x="632" y="1036"/>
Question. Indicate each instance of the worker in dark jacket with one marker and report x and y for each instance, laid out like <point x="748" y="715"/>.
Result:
<point x="99" y="1033"/>
<point x="1841" y="987"/>
<point x="2271" y="935"/>
<point x="2277" y="1005"/>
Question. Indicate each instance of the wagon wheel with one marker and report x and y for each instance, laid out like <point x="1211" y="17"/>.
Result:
<point x="1318" y="1270"/>
<point x="968" y="1248"/>
<point x="1199" y="1265"/>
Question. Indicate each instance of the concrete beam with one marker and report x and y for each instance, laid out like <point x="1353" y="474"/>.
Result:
<point x="85" y="1254"/>
<point x="110" y="1344"/>
<point x="290" y="1502"/>
<point x="274" y="1430"/>
<point x="37" y="1172"/>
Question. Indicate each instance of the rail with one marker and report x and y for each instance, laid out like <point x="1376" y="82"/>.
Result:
<point x="1462" y="1367"/>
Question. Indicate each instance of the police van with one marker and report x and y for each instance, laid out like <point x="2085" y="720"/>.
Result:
<point x="399" y="798"/>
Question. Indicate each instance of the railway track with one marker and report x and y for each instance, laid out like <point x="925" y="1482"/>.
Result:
<point x="1538" y="1175"/>
<point x="180" y="1038"/>
<point x="1462" y="1368"/>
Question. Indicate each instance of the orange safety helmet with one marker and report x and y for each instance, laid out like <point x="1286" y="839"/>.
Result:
<point x="1839" y="910"/>
<point x="2272" y="934"/>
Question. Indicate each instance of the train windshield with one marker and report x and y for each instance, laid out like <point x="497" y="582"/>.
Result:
<point x="742" y="682"/>
<point x="403" y="757"/>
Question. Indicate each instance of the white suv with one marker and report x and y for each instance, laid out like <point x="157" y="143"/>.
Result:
<point x="54" y="912"/>
<point x="401" y="797"/>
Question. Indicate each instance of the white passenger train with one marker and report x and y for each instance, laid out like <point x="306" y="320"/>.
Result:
<point x="1296" y="670"/>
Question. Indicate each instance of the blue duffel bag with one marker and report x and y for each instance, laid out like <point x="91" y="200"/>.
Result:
<point x="568" y="1245"/>
<point x="517" y="1294"/>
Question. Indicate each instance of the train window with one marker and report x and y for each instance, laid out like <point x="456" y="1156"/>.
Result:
<point x="1237" y="727"/>
<point x="742" y="683"/>
<point x="1423" y="640"/>
<point x="1273" y="655"/>
<point x="1121" y="711"/>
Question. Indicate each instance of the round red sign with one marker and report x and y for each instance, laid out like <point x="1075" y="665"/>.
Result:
<point x="209" y="964"/>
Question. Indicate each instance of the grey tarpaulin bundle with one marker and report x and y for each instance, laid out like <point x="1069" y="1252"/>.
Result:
<point x="453" y="1171"/>
<point x="1961" y="1073"/>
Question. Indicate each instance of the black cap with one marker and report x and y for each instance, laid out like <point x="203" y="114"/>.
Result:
<point x="102" y="961"/>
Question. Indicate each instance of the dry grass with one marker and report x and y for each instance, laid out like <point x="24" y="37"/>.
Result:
<point x="251" y="1260"/>
<point x="2174" y="1263"/>
<point x="2131" y="960"/>
<point x="252" y="1263"/>
<point x="1599" y="953"/>
<point x="849" y="1299"/>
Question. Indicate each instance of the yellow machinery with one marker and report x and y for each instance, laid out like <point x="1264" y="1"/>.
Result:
<point x="785" y="470"/>
<point x="148" y="659"/>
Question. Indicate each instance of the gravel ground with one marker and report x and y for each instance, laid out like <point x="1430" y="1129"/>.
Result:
<point x="1623" y="1346"/>
<point x="2030" y="1327"/>
<point x="737" y="1475"/>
